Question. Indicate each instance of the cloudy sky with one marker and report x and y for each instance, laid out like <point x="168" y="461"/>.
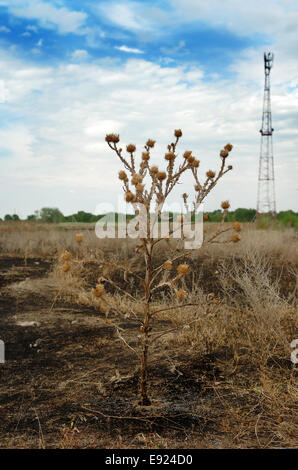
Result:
<point x="72" y="71"/>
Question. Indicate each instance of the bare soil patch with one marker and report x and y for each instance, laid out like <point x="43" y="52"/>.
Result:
<point x="69" y="382"/>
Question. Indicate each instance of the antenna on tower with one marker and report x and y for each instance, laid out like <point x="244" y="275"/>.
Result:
<point x="266" y="187"/>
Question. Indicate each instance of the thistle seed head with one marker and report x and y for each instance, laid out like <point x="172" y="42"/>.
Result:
<point x="79" y="238"/>
<point x="224" y="153"/>
<point x="112" y="138"/>
<point x="237" y="227"/>
<point x="99" y="290"/>
<point x="210" y="174"/>
<point x="196" y="163"/>
<point x="187" y="153"/>
<point x="136" y="179"/>
<point x="130" y="148"/>
<point x="190" y="159"/>
<point x="181" y="294"/>
<point x="228" y="147"/>
<point x="183" y="269"/>
<point x="170" y="156"/>
<point x="129" y="196"/>
<point x="236" y="237"/>
<point x="154" y="170"/>
<point x="178" y="133"/>
<point x="145" y="156"/>
<point x="161" y="175"/>
<point x="140" y="187"/>
<point x="65" y="267"/>
<point x="167" y="265"/>
<point x="122" y="175"/>
<point x="66" y="256"/>
<point x="150" y="143"/>
<point x="225" y="204"/>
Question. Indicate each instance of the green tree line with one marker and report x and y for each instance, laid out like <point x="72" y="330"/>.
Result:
<point x="54" y="215"/>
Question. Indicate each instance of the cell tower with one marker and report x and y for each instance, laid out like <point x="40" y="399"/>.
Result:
<point x="266" y="187"/>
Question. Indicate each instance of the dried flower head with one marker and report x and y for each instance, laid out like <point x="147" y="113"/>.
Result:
<point x="129" y="196"/>
<point x="183" y="269"/>
<point x="122" y="175"/>
<point x="145" y="156"/>
<point x="197" y="187"/>
<point x="112" y="138"/>
<point x="178" y="133"/>
<point x="210" y="174"/>
<point x="225" y="204"/>
<point x="102" y="309"/>
<point x="66" y="256"/>
<point x="150" y="143"/>
<point x="195" y="163"/>
<point x="167" y="265"/>
<point x="190" y="159"/>
<point x="224" y="153"/>
<point x="237" y="227"/>
<point x="236" y="237"/>
<point x="161" y="175"/>
<point x="205" y="217"/>
<point x="78" y="238"/>
<point x="228" y="147"/>
<point x="170" y="156"/>
<point x="181" y="294"/>
<point x="154" y="170"/>
<point x="65" y="267"/>
<point x="140" y="187"/>
<point x="99" y="290"/>
<point x="130" y="148"/>
<point x="230" y="167"/>
<point x="136" y="179"/>
<point x="187" y="153"/>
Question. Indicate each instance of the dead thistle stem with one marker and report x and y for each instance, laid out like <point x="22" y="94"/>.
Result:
<point x="159" y="188"/>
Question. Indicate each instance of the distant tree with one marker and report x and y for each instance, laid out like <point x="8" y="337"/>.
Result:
<point x="32" y="217"/>
<point x="8" y="217"/>
<point x="51" y="215"/>
<point x="244" y="215"/>
<point x="15" y="217"/>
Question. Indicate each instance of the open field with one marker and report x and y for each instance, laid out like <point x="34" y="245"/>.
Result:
<point x="220" y="372"/>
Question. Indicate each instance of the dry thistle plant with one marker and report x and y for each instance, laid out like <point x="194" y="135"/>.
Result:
<point x="151" y="197"/>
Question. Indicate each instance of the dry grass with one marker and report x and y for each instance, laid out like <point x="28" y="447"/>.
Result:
<point x="235" y="342"/>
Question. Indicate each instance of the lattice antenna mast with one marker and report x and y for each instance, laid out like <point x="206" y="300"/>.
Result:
<point x="266" y="187"/>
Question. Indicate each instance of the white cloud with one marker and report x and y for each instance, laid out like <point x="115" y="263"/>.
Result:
<point x="80" y="55"/>
<point x="4" y="29"/>
<point x="39" y="43"/>
<point x="67" y="110"/>
<point x="243" y="18"/>
<point x="48" y="16"/>
<point x="129" y="49"/>
<point x="33" y="28"/>
<point x="144" y="20"/>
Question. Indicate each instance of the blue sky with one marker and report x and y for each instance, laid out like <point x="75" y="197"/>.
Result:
<point x="72" y="71"/>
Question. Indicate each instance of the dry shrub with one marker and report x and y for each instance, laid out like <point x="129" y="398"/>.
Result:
<point x="250" y="317"/>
